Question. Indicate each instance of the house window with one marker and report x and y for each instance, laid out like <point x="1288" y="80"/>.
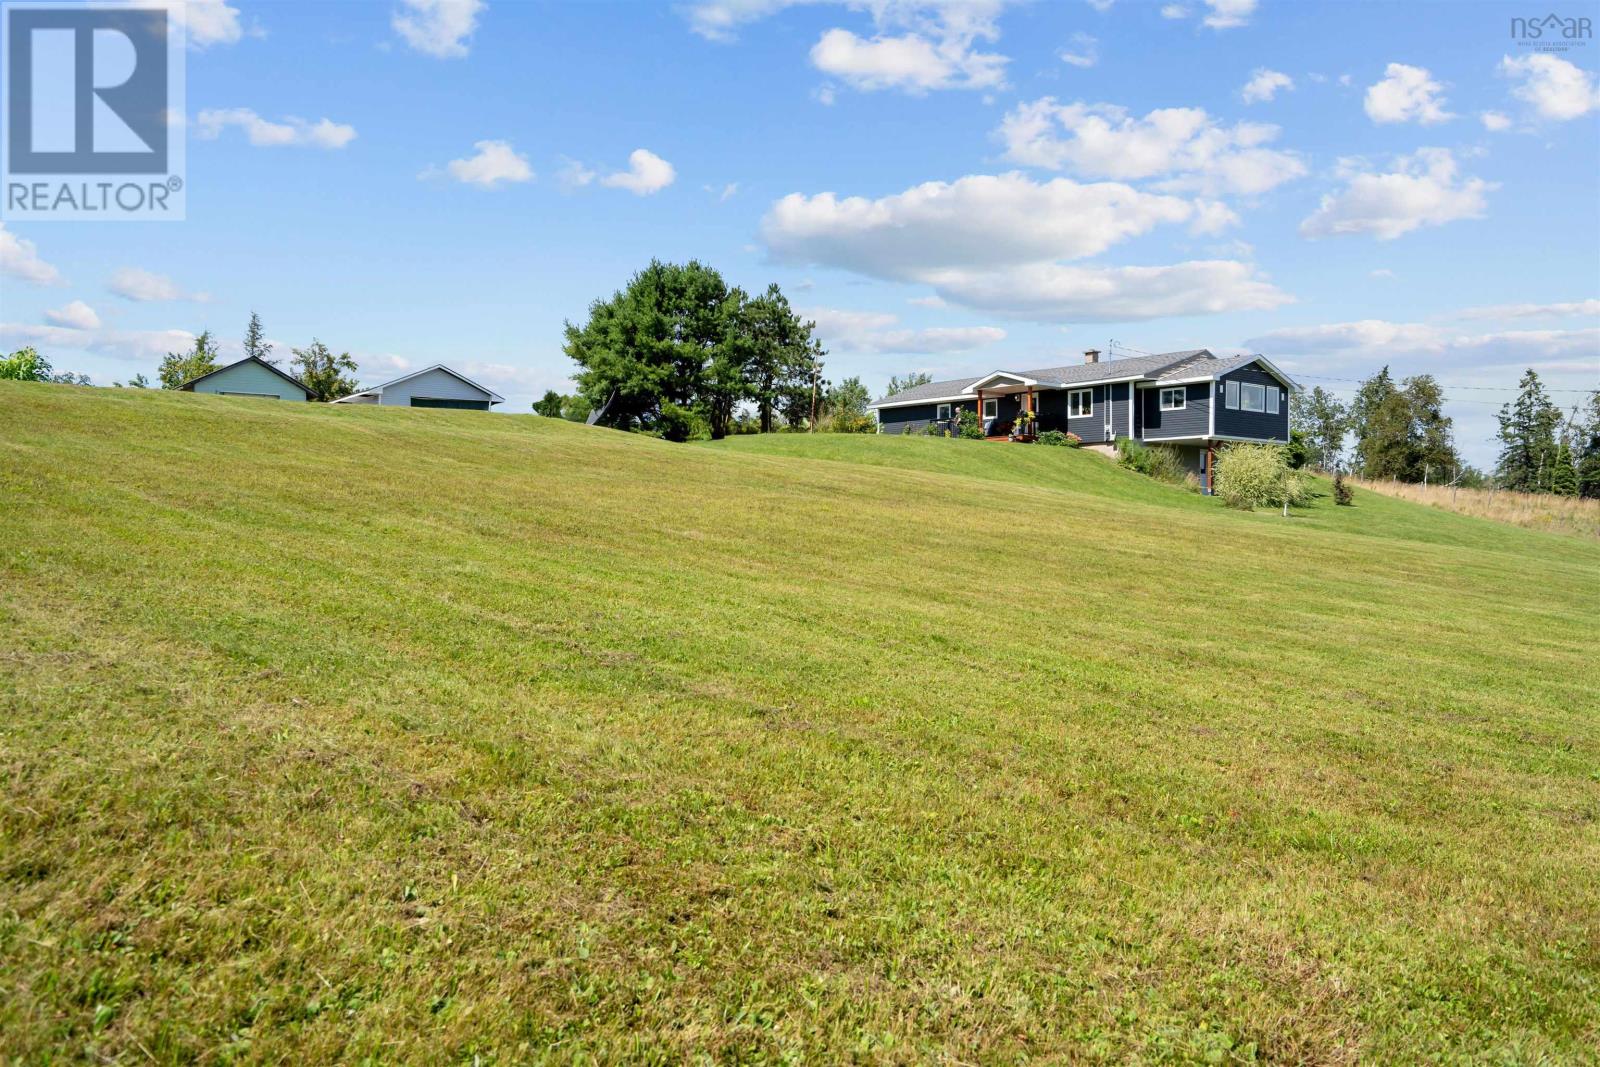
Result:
<point x="1172" y="399"/>
<point x="1272" y="400"/>
<point x="1232" y="395"/>
<point x="991" y="408"/>
<point x="1252" y="397"/>
<point x="942" y="413"/>
<point x="1080" y="404"/>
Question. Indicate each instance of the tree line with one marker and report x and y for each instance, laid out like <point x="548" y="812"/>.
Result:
<point x="326" y="375"/>
<point x="1398" y="430"/>
<point x="680" y="353"/>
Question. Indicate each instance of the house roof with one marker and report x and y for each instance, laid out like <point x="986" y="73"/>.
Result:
<point x="1049" y="377"/>
<point x="1187" y="365"/>
<point x="493" y="396"/>
<point x="296" y="382"/>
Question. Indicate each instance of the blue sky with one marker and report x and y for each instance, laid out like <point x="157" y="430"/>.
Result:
<point x="945" y="187"/>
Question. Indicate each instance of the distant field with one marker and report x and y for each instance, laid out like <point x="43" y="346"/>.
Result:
<point x="1536" y="511"/>
<point x="425" y="736"/>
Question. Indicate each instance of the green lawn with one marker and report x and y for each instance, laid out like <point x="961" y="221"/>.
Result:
<point x="427" y="736"/>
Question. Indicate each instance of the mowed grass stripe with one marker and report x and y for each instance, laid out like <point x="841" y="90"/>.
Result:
<point x="683" y="750"/>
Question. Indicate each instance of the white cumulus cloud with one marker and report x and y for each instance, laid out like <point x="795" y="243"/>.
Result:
<point x="1374" y="341"/>
<point x="979" y="220"/>
<point x="1054" y="292"/>
<point x="1495" y="121"/>
<point x="647" y="173"/>
<point x="495" y="163"/>
<point x="76" y="315"/>
<point x="143" y="286"/>
<point x="1183" y="144"/>
<point x="1084" y="51"/>
<point x="1265" y="84"/>
<point x="1406" y="94"/>
<point x="438" y="28"/>
<point x="995" y="242"/>
<point x="1553" y="87"/>
<point x="1423" y="189"/>
<point x="910" y="62"/>
<point x="133" y="345"/>
<point x="324" y="133"/>
<point x="19" y="258"/>
<point x="870" y="331"/>
<point x="1228" y="14"/>
<point x="1584" y="308"/>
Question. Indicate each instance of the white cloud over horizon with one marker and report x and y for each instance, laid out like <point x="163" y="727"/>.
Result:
<point x="879" y="332"/>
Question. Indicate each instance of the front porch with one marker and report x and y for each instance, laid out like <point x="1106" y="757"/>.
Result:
<point x="1021" y="405"/>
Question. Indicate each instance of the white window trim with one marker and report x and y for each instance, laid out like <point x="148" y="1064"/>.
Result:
<point x="1274" y="401"/>
<point x="1088" y="404"/>
<point x="1245" y="389"/>
<point x="989" y="413"/>
<point x="1183" y="398"/>
<point x="1230" y="395"/>
<point x="941" y="413"/>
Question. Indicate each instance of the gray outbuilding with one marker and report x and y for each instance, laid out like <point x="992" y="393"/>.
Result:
<point x="249" y="377"/>
<point x="435" y="387"/>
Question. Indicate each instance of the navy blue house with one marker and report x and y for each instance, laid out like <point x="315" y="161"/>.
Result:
<point x="1190" y="401"/>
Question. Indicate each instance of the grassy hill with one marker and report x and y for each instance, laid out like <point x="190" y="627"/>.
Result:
<point x="330" y="733"/>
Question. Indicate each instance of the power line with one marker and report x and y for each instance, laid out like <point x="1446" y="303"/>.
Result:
<point x="1451" y="385"/>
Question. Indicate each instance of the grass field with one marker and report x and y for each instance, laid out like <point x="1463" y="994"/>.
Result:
<point x="351" y="733"/>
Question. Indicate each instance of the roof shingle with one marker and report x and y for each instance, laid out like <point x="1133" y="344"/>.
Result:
<point x="1135" y="366"/>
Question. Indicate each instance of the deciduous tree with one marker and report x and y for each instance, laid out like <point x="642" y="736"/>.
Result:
<point x="180" y="367"/>
<point x="325" y="375"/>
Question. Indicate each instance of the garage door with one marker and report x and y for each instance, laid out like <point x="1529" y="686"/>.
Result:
<point x="445" y="402"/>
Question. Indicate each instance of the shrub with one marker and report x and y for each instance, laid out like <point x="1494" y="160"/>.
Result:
<point x="971" y="427"/>
<point x="1252" y="476"/>
<point x="1342" y="493"/>
<point x="935" y="429"/>
<point x="1060" y="439"/>
<point x="1157" y="461"/>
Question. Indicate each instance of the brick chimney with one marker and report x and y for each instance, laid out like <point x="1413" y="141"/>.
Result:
<point x="1092" y="356"/>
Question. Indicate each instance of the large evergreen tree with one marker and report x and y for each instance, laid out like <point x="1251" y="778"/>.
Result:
<point x="1528" y="437"/>
<point x="782" y="351"/>
<point x="180" y="367"/>
<point x="327" y="376"/>
<point x="1588" y="450"/>
<point x="1402" y="432"/>
<point x="255" y="340"/>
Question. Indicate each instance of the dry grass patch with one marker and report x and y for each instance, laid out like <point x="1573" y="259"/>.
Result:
<point x="1535" y="511"/>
